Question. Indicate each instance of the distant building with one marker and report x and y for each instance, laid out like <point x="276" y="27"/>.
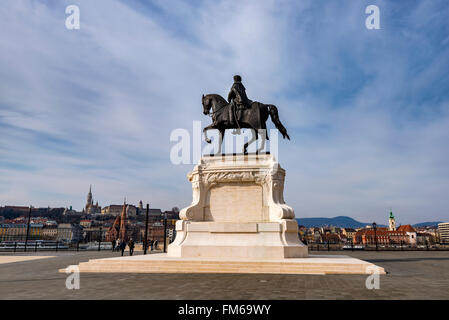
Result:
<point x="90" y="207"/>
<point x="51" y="223"/>
<point x="49" y="232"/>
<point x="114" y="230"/>
<point x="140" y="209"/>
<point x="410" y="232"/>
<point x="118" y="230"/>
<point x="86" y="223"/>
<point x="116" y="210"/>
<point x="349" y="232"/>
<point x="123" y="234"/>
<point x="94" y="234"/>
<point x="69" y="232"/>
<point x="171" y="215"/>
<point x="71" y="212"/>
<point x="424" y="238"/>
<point x="155" y="214"/>
<point x="18" y="232"/>
<point x="383" y="236"/>
<point x="405" y="234"/>
<point x="443" y="229"/>
<point x="156" y="225"/>
<point x="17" y="209"/>
<point x="317" y="235"/>
<point x="391" y="222"/>
<point x="331" y="238"/>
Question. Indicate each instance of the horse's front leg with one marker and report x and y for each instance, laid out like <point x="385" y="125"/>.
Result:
<point x="205" y="134"/>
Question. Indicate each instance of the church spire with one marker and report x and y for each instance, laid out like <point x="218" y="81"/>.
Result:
<point x="123" y="224"/>
<point x="89" y="197"/>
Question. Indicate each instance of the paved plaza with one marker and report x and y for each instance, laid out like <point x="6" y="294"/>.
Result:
<point x="411" y="275"/>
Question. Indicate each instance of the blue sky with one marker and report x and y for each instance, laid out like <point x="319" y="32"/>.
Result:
<point x="367" y="110"/>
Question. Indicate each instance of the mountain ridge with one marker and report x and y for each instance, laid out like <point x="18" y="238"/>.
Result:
<point x="347" y="222"/>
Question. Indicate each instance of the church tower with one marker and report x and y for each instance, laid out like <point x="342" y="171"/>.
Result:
<point x="89" y="197"/>
<point x="391" y="222"/>
<point x="123" y="235"/>
<point x="90" y="207"/>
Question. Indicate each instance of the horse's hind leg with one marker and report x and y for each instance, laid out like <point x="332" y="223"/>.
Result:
<point x="220" y="140"/>
<point x="263" y="137"/>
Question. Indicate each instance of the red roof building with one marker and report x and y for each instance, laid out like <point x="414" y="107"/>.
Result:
<point x="384" y="237"/>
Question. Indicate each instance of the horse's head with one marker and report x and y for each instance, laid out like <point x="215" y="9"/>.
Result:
<point x="206" y="104"/>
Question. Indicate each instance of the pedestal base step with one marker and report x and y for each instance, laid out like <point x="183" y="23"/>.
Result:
<point x="160" y="263"/>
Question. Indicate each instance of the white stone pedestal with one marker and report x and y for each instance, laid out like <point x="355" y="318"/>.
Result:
<point x="238" y="211"/>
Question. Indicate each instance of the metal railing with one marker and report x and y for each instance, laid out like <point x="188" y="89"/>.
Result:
<point x="41" y="245"/>
<point x="323" y="246"/>
<point x="37" y="246"/>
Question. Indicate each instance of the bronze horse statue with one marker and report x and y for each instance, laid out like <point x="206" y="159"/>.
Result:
<point x="254" y="118"/>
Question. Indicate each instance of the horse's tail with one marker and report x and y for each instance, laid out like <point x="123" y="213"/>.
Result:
<point x="275" y="118"/>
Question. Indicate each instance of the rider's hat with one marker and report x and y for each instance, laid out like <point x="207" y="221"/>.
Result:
<point x="237" y="78"/>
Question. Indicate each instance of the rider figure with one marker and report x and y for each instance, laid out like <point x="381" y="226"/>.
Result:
<point x="238" y="99"/>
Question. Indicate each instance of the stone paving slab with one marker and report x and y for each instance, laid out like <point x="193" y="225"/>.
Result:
<point x="12" y="259"/>
<point x="411" y="275"/>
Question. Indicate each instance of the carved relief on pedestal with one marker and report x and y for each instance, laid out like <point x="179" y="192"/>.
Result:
<point x="267" y="174"/>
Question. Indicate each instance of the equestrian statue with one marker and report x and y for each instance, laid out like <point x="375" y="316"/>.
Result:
<point x="240" y="113"/>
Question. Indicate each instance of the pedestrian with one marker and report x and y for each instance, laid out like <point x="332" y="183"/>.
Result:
<point x="151" y="244"/>
<point x="155" y="245"/>
<point x="122" y="246"/>
<point x="118" y="245"/>
<point x="114" y="243"/>
<point x="131" y="246"/>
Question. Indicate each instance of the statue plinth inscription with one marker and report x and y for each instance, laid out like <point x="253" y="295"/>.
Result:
<point x="238" y="211"/>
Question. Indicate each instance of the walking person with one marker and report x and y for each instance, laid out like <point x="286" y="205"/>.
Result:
<point x="114" y="243"/>
<point x="155" y="245"/>
<point x="151" y="245"/>
<point x="147" y="244"/>
<point x="131" y="246"/>
<point x="122" y="247"/>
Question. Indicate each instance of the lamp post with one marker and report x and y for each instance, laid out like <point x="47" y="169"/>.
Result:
<point x="165" y="232"/>
<point x="145" y="241"/>
<point x="375" y="233"/>
<point x="99" y="240"/>
<point x="28" y="229"/>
